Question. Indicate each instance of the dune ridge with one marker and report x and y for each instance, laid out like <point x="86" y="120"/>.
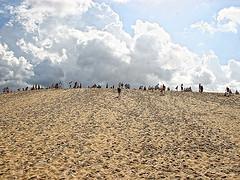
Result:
<point x="90" y="134"/>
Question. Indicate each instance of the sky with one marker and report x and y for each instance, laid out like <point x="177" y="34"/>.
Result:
<point x="141" y="42"/>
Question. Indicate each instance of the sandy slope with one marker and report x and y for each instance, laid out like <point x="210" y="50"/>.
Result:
<point x="89" y="134"/>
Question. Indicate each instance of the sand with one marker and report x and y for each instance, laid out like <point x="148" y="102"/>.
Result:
<point x="90" y="134"/>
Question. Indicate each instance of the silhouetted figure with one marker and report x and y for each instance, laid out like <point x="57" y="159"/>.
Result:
<point x="168" y="89"/>
<point x="6" y="90"/>
<point x="227" y="92"/>
<point x="121" y="85"/>
<point x="176" y="88"/>
<point x="107" y="86"/>
<point x="227" y="89"/>
<point x="94" y="86"/>
<point x="26" y="89"/>
<point x="119" y="92"/>
<point x="127" y="86"/>
<point x="200" y="87"/>
<point x="75" y="85"/>
<point x="144" y="88"/>
<point x="70" y="84"/>
<point x="56" y="86"/>
<point x="236" y="92"/>
<point x="189" y="89"/>
<point x="181" y="87"/>
<point x="164" y="88"/>
<point x="80" y="86"/>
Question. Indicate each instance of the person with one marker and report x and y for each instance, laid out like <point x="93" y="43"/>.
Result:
<point x="181" y="87"/>
<point x="107" y="86"/>
<point x="236" y="92"/>
<point x="119" y="91"/>
<point x="75" y="85"/>
<point x="200" y="88"/>
<point x="176" y="88"/>
<point x="164" y="88"/>
<point x="227" y="93"/>
<point x="70" y="84"/>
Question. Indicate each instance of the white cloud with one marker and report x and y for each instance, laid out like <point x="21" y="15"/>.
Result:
<point x="227" y="20"/>
<point x="86" y="42"/>
<point x="13" y="71"/>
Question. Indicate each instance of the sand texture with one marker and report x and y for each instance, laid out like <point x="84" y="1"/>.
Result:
<point x="90" y="134"/>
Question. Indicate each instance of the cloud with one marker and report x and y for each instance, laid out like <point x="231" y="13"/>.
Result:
<point x="85" y="41"/>
<point x="227" y="20"/>
<point x="13" y="71"/>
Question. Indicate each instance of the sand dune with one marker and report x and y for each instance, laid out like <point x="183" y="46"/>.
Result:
<point x="89" y="134"/>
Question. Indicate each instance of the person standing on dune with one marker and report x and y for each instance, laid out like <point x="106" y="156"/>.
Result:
<point x="119" y="91"/>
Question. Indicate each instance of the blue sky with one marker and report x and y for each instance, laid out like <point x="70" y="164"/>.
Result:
<point x="177" y="19"/>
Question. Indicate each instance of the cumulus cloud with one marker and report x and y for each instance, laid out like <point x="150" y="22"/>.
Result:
<point x="227" y="20"/>
<point x="85" y="41"/>
<point x="13" y="71"/>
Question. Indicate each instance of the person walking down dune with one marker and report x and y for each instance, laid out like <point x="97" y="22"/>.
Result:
<point x="119" y="92"/>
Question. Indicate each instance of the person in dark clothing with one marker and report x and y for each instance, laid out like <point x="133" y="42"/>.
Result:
<point x="182" y="87"/>
<point x="75" y="85"/>
<point x="227" y="93"/>
<point x="164" y="88"/>
<point x="176" y="88"/>
<point x="200" y="88"/>
<point x="119" y="92"/>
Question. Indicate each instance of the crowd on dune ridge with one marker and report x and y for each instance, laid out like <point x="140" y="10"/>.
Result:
<point x="162" y="88"/>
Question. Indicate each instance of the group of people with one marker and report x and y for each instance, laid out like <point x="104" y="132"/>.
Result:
<point x="187" y="89"/>
<point x="162" y="88"/>
<point x="229" y="92"/>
